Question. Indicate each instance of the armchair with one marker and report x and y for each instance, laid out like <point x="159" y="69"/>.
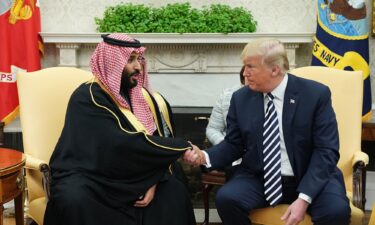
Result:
<point x="347" y="94"/>
<point x="43" y="97"/>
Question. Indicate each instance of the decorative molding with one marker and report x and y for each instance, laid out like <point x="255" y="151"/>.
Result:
<point x="193" y="46"/>
<point x="178" y="53"/>
<point x="68" y="54"/>
<point x="68" y="45"/>
<point x="173" y="38"/>
<point x="88" y="46"/>
<point x="293" y="45"/>
<point x="178" y="59"/>
<point x="174" y="59"/>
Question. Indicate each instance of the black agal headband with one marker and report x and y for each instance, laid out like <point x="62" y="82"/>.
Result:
<point x="112" y="41"/>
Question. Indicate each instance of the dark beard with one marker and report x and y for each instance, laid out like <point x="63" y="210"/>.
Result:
<point x="127" y="83"/>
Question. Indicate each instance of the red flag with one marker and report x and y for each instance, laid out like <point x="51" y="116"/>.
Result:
<point x="20" y="48"/>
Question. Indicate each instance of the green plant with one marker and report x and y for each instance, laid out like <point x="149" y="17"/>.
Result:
<point x="176" y="18"/>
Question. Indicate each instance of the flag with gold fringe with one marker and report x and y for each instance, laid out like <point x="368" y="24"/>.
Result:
<point x="20" y="49"/>
<point x="341" y="41"/>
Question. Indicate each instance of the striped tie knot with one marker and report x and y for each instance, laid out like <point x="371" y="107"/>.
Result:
<point x="270" y="96"/>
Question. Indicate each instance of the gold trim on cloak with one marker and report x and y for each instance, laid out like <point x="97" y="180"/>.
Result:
<point x="164" y="110"/>
<point x="130" y="116"/>
<point x="151" y="105"/>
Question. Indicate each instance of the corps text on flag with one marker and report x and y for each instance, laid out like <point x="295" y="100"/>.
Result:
<point x="20" y="47"/>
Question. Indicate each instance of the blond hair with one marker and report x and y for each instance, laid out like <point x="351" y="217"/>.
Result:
<point x="271" y="50"/>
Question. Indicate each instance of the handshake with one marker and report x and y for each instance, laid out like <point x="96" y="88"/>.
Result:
<point x="195" y="156"/>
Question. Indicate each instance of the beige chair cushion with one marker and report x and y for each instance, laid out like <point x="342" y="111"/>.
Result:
<point x="36" y="210"/>
<point x="372" y="218"/>
<point x="271" y="216"/>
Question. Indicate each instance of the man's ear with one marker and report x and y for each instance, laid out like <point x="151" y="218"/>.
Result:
<point x="275" y="71"/>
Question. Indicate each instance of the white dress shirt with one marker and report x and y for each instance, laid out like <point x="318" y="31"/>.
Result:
<point x="278" y="93"/>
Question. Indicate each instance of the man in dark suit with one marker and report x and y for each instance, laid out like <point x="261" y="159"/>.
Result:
<point x="288" y="127"/>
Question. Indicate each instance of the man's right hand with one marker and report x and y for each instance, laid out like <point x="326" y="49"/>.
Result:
<point x="194" y="156"/>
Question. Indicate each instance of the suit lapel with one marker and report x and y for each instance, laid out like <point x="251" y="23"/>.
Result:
<point x="291" y="100"/>
<point x="258" y="121"/>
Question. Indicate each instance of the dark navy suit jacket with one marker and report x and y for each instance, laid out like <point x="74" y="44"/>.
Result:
<point x="310" y="134"/>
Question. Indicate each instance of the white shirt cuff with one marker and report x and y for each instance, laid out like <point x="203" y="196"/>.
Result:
<point x="305" y="197"/>
<point x="208" y="162"/>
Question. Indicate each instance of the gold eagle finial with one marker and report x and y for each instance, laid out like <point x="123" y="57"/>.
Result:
<point x="20" y="11"/>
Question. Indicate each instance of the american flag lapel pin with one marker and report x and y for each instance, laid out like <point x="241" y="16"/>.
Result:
<point x="292" y="101"/>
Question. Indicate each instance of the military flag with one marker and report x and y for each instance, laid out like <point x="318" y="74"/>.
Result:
<point x="20" y="48"/>
<point x="341" y="41"/>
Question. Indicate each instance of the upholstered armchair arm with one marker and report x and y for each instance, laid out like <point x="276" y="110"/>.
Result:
<point x="360" y="157"/>
<point x="34" y="163"/>
<point x="40" y="165"/>
<point x="359" y="162"/>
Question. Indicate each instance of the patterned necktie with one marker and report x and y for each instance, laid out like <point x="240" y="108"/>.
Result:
<point x="271" y="154"/>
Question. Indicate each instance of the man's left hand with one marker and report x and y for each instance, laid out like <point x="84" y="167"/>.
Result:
<point x="295" y="212"/>
<point x="147" y="199"/>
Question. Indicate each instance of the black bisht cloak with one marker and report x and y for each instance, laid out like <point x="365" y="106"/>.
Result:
<point x="101" y="165"/>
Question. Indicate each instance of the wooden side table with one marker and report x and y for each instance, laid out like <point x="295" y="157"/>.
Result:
<point x="368" y="130"/>
<point x="12" y="182"/>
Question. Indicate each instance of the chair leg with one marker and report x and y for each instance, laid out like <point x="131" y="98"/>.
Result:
<point x="359" y="185"/>
<point x="1" y="214"/>
<point x="206" y="193"/>
<point x="18" y="208"/>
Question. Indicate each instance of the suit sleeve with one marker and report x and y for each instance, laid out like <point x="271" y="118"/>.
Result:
<point x="325" y="154"/>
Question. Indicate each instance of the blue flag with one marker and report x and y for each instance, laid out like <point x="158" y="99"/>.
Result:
<point x="341" y="41"/>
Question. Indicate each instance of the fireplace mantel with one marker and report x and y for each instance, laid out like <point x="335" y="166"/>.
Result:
<point x="174" y="38"/>
<point x="196" y="65"/>
<point x="68" y="44"/>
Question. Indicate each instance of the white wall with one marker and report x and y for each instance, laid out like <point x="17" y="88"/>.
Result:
<point x="273" y="16"/>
